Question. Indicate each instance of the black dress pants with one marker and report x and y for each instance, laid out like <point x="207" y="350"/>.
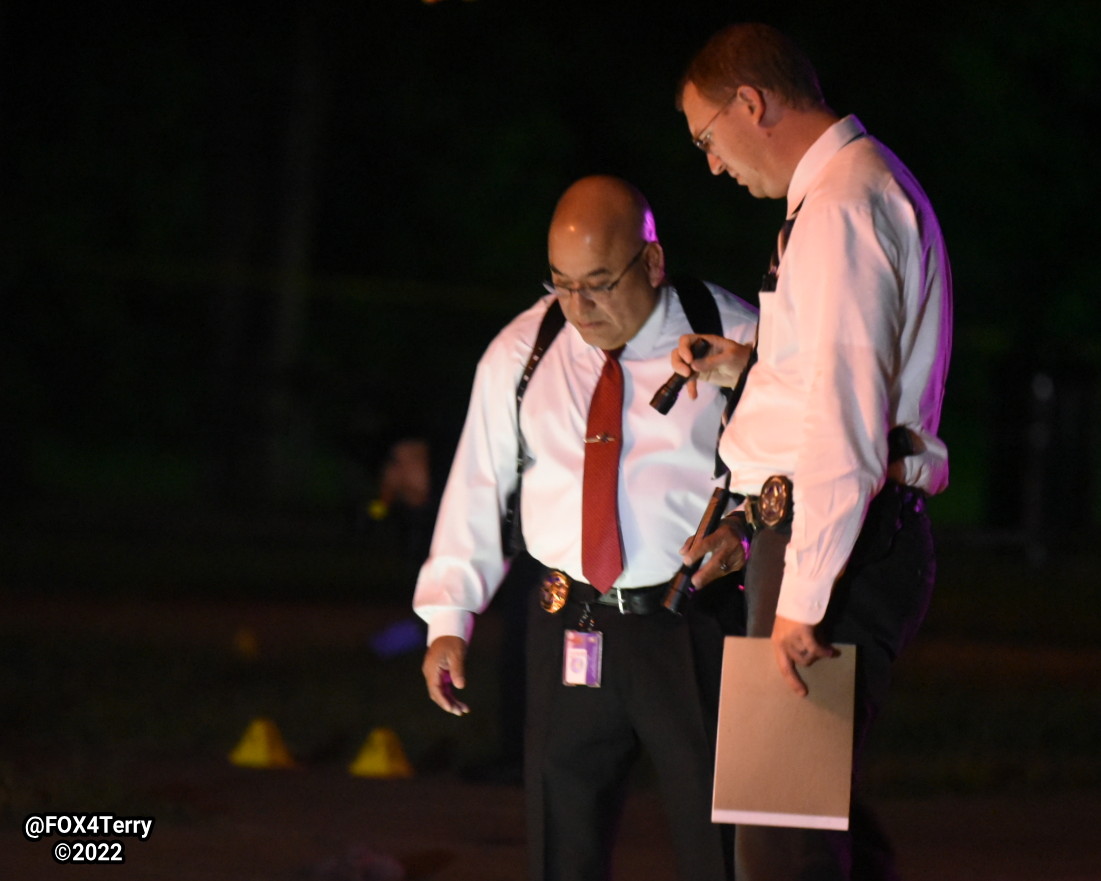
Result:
<point x="659" y="690"/>
<point x="877" y="604"/>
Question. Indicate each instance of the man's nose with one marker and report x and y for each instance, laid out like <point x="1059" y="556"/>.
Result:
<point x="715" y="164"/>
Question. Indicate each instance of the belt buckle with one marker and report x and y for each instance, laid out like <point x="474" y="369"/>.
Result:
<point x="774" y="502"/>
<point x="554" y="590"/>
<point x="619" y="600"/>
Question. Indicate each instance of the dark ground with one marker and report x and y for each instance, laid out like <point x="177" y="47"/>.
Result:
<point x="135" y="652"/>
<point x="291" y="824"/>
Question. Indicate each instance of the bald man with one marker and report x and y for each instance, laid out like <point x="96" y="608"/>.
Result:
<point x="645" y="677"/>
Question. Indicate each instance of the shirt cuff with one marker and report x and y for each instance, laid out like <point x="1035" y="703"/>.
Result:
<point x="803" y="599"/>
<point x="444" y="621"/>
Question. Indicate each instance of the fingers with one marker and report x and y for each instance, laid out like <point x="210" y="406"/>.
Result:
<point x="789" y="673"/>
<point x="681" y="357"/>
<point x="724" y="364"/>
<point x="443" y="671"/>
<point x="439" y="690"/>
<point x="716" y="567"/>
<point x="684" y="362"/>
<point x="726" y="542"/>
<point x="728" y="551"/>
<point x="796" y="644"/>
<point x="694" y="550"/>
<point x="445" y="695"/>
<point x="710" y="571"/>
<point x="789" y="662"/>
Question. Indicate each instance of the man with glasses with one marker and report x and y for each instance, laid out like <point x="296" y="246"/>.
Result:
<point x="835" y="434"/>
<point x="646" y="677"/>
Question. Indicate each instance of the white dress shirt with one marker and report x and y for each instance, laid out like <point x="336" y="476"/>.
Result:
<point x="665" y="473"/>
<point x="854" y="341"/>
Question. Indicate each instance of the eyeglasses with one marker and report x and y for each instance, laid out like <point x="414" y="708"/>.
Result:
<point x="596" y="291"/>
<point x="703" y="140"/>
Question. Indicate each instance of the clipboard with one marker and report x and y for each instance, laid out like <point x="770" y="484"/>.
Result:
<point x="781" y="759"/>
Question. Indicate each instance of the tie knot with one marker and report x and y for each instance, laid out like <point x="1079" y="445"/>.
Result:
<point x="614" y="353"/>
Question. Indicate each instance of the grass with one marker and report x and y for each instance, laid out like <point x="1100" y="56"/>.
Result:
<point x="999" y="692"/>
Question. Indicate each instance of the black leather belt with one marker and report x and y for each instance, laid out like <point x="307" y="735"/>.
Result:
<point x="627" y="600"/>
<point x="773" y="507"/>
<point x="558" y="589"/>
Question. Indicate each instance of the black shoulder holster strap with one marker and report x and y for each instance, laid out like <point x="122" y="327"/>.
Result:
<point x="698" y="304"/>
<point x="512" y="535"/>
<point x="703" y="316"/>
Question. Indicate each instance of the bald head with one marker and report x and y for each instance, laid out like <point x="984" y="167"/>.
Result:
<point x="603" y="234"/>
<point x="606" y="209"/>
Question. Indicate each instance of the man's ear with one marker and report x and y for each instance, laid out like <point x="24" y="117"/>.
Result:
<point x="653" y="258"/>
<point x="754" y="101"/>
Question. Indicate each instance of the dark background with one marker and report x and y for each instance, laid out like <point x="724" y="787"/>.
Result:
<point x="247" y="243"/>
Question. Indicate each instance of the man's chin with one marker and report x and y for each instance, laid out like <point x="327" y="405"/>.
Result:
<point x="754" y="187"/>
<point x="597" y="335"/>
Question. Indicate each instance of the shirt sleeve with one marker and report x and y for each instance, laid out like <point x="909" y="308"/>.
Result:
<point x="466" y="561"/>
<point x="848" y="313"/>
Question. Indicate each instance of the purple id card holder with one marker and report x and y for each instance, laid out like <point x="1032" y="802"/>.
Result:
<point x="581" y="657"/>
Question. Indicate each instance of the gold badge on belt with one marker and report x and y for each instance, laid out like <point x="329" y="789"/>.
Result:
<point x="554" y="590"/>
<point x="774" y="503"/>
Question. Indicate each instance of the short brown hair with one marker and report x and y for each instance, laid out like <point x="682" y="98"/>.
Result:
<point x="758" y="55"/>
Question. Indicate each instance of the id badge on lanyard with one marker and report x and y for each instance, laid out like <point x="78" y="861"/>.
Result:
<point x="582" y="653"/>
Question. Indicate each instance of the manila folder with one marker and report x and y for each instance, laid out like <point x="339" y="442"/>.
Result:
<point x="781" y="759"/>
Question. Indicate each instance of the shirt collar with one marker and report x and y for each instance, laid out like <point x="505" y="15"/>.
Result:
<point x="641" y="345"/>
<point x="827" y="146"/>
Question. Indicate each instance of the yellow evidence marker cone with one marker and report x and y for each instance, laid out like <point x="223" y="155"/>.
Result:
<point x="381" y="756"/>
<point x="262" y="746"/>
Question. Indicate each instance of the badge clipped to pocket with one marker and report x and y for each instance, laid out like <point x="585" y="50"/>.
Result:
<point x="581" y="657"/>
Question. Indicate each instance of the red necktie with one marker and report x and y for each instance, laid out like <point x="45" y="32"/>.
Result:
<point x="601" y="548"/>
